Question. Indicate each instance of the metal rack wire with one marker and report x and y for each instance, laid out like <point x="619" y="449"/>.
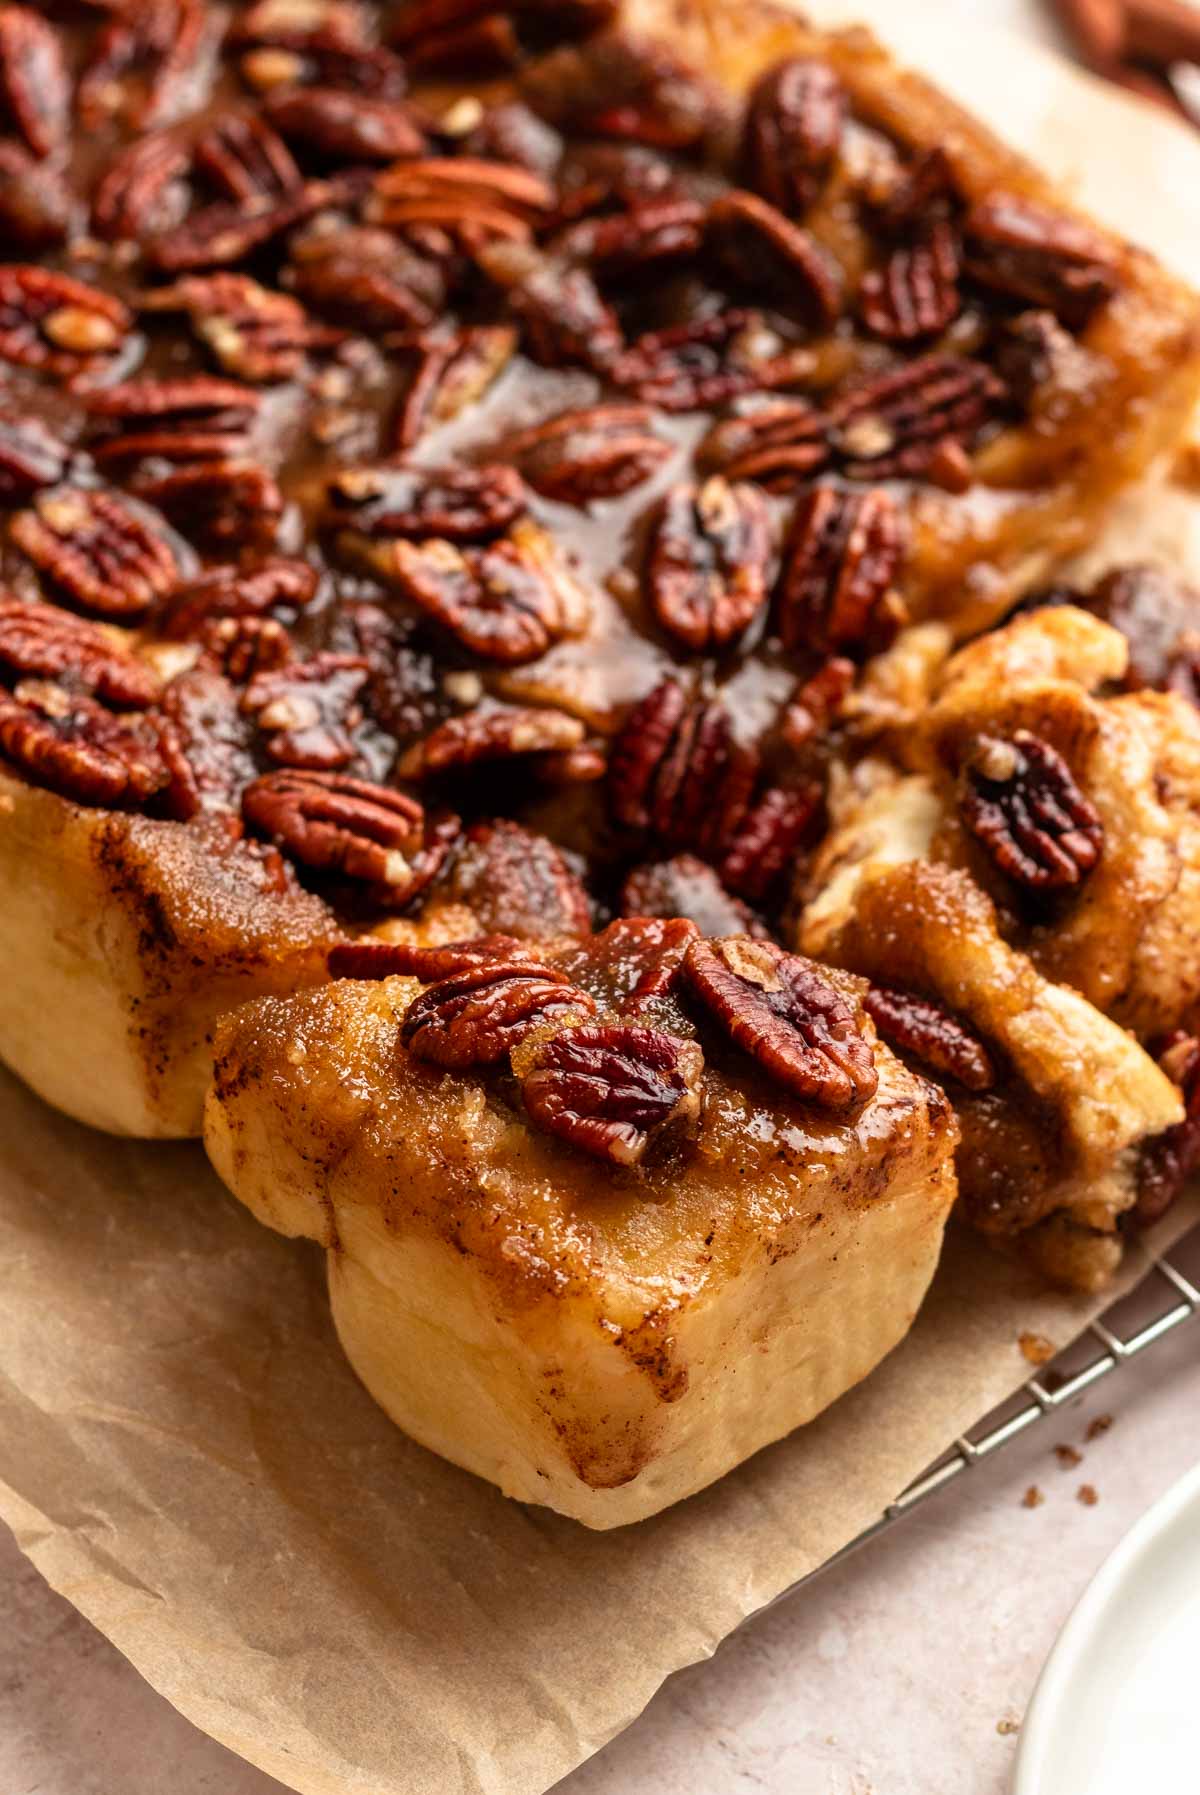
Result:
<point x="1165" y="1299"/>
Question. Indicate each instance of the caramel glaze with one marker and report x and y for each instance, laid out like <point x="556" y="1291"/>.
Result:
<point x="339" y="415"/>
<point x="764" y="1174"/>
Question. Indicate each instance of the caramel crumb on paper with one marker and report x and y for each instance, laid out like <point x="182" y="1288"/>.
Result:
<point x="1007" y="1724"/>
<point x="1033" y="1497"/>
<point x="1099" y="1425"/>
<point x="1036" y="1348"/>
<point x="1068" y="1456"/>
<point x="1086" y="1493"/>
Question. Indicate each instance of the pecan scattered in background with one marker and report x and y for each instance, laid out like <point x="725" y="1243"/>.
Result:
<point x="1139" y="44"/>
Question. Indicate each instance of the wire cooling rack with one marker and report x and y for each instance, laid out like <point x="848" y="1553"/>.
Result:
<point x="1167" y="1297"/>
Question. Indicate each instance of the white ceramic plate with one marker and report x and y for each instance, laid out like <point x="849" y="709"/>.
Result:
<point x="1117" y="1707"/>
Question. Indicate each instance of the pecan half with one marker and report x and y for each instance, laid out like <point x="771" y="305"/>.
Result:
<point x="368" y="278"/>
<point x="565" y="320"/>
<point x="485" y="46"/>
<point x="843" y="553"/>
<point x="367" y="959"/>
<point x="508" y="602"/>
<point x="76" y="747"/>
<point x="345" y="127"/>
<point x="1041" y="257"/>
<point x="481" y="735"/>
<point x="926" y="1030"/>
<point x="222" y="505"/>
<point x="447" y="375"/>
<point x="894" y="425"/>
<point x="675" y="769"/>
<point x="142" y="189"/>
<point x="31" y="456"/>
<point x="915" y="293"/>
<point x="905" y="196"/>
<point x="652" y="231"/>
<point x="220" y="235"/>
<point x="37" y="202"/>
<point x="315" y="46"/>
<point x="60" y="325"/>
<point x="477" y="1017"/>
<point x="597" y="453"/>
<point x="421" y="22"/>
<point x="208" y="745"/>
<point x="509" y="132"/>
<point x="465" y="504"/>
<point x="816" y="703"/>
<point x="518" y="883"/>
<point x="403" y="691"/>
<point x="764" y="844"/>
<point x="793" y="129"/>
<point x="629" y="88"/>
<point x="604" y="180"/>
<point x="1170" y="1159"/>
<point x="245" y="648"/>
<point x="309" y="710"/>
<point x="473" y="201"/>
<point x="612" y="1089"/>
<point x="41" y="640"/>
<point x="35" y="89"/>
<point x="780" y="1010"/>
<point x="194" y="418"/>
<point x="1039" y="362"/>
<point x="277" y="586"/>
<point x="633" y="962"/>
<point x="252" y="332"/>
<point x="759" y="247"/>
<point x="778" y="443"/>
<point x="332" y="823"/>
<point x="245" y="159"/>
<point x="140" y="62"/>
<point x="706" y="565"/>
<point x="694" y="367"/>
<point x="1020" y="800"/>
<point x="687" y="887"/>
<point x="98" y="549"/>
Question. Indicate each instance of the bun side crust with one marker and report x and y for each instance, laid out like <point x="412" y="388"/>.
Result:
<point x="543" y="1321"/>
<point x="124" y="939"/>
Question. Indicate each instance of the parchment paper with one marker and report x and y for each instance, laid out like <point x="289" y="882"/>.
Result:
<point x="185" y="1455"/>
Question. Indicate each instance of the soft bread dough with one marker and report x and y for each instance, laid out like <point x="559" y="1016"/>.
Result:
<point x="123" y="941"/>
<point x="897" y="893"/>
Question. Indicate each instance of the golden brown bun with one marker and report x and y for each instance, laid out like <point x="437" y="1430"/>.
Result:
<point x="897" y="892"/>
<point x="124" y="939"/>
<point x="600" y="1342"/>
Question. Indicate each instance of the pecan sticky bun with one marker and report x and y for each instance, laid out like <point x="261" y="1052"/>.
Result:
<point x="468" y="480"/>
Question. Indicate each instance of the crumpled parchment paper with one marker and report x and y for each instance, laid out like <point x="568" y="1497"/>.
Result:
<point x="185" y="1455"/>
